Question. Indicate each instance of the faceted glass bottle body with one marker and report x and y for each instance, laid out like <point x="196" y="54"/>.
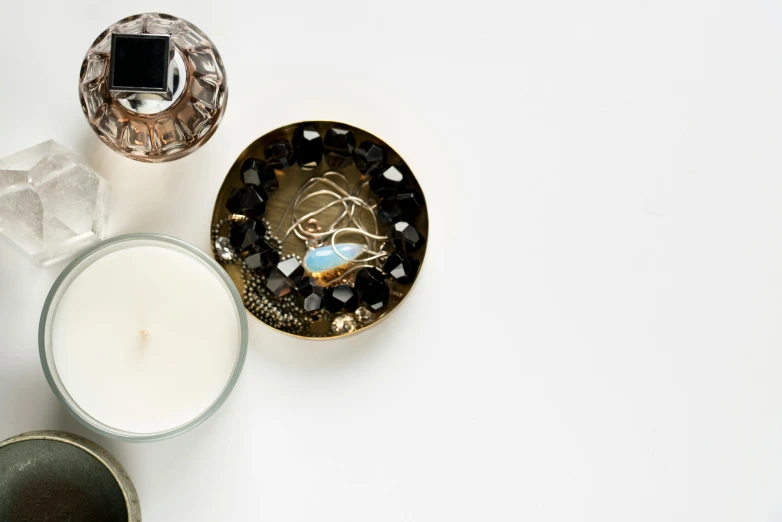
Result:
<point x="149" y="126"/>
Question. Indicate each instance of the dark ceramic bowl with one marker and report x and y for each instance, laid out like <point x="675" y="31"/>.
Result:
<point x="52" y="475"/>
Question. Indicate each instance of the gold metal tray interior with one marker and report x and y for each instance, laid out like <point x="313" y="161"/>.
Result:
<point x="290" y="181"/>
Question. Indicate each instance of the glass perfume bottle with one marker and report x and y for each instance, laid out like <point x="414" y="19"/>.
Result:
<point x="153" y="87"/>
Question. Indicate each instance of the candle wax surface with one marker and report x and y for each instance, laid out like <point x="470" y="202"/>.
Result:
<point x="145" y="339"/>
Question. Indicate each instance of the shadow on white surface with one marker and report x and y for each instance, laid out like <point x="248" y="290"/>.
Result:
<point x="153" y="197"/>
<point x="272" y="345"/>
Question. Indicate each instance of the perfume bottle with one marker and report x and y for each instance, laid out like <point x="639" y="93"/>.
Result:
<point x="153" y="87"/>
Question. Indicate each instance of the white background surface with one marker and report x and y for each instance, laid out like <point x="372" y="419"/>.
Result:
<point x="596" y="332"/>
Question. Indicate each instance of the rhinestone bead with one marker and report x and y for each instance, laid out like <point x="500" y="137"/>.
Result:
<point x="279" y="154"/>
<point x="369" y="158"/>
<point x="387" y="182"/>
<point x="344" y="324"/>
<point x="402" y="268"/>
<point x="262" y="256"/>
<point x="339" y="144"/>
<point x="245" y="234"/>
<point x="223" y="248"/>
<point x="308" y="146"/>
<point x="405" y="237"/>
<point x="248" y="201"/>
<point x="310" y="296"/>
<point x="258" y="172"/>
<point x="339" y="298"/>
<point x="372" y="289"/>
<point x="364" y="315"/>
<point x="285" y="277"/>
<point x="403" y="205"/>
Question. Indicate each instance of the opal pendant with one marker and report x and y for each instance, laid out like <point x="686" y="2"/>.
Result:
<point x="324" y="264"/>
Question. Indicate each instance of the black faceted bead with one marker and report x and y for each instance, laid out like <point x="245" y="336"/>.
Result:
<point x="372" y="289"/>
<point x="388" y="212"/>
<point x="245" y="234"/>
<point x="262" y="256"/>
<point x="279" y="154"/>
<point x="248" y="201"/>
<point x="410" y="203"/>
<point x="387" y="182"/>
<point x="369" y="158"/>
<point x="405" y="237"/>
<point x="339" y="298"/>
<point x="401" y="267"/>
<point x="339" y="144"/>
<point x="308" y="146"/>
<point x="311" y="296"/>
<point x="403" y="205"/>
<point x="257" y="172"/>
<point x="285" y="277"/>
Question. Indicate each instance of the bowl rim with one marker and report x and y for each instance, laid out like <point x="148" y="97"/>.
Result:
<point x="99" y="453"/>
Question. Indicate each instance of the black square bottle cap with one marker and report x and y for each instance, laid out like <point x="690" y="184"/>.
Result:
<point x="139" y="63"/>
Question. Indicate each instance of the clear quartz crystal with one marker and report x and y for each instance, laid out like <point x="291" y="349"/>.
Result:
<point x="51" y="204"/>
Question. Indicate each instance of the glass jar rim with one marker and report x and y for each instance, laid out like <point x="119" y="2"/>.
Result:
<point x="58" y="289"/>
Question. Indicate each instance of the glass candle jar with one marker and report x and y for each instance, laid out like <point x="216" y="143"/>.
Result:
<point x="143" y="337"/>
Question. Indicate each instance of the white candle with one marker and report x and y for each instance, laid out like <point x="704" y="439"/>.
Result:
<point x="146" y="338"/>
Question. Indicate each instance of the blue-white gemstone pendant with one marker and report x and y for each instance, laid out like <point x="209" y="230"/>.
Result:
<point x="324" y="264"/>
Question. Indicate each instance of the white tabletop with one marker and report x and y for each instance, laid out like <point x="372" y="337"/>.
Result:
<point x="596" y="332"/>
